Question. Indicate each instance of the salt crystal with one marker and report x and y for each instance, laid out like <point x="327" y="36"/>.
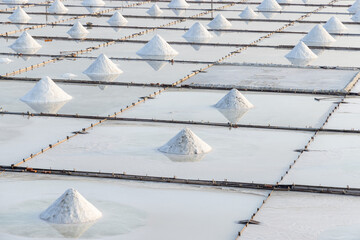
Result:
<point x="334" y="25"/>
<point x="157" y="46"/>
<point x="78" y="31"/>
<point x="154" y="10"/>
<point x="57" y="7"/>
<point x="318" y="36"/>
<point x="117" y="20"/>
<point x="19" y="16"/>
<point x="46" y="91"/>
<point x="196" y="33"/>
<point x="185" y="143"/>
<point x="269" y="5"/>
<point x="219" y="22"/>
<point x="248" y="13"/>
<point x="71" y="208"/>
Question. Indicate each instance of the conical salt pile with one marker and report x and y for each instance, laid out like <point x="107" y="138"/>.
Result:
<point x="334" y="25"/>
<point x="219" y="22"/>
<point x="19" y="16"/>
<point x="318" y="36"/>
<point x="302" y="52"/>
<point x="178" y="4"/>
<point x="154" y="10"/>
<point x="197" y="32"/>
<point x="185" y="143"/>
<point x="78" y="31"/>
<point x="356" y="17"/>
<point x="103" y="69"/>
<point x="355" y="7"/>
<point x="157" y="46"/>
<point x="269" y="5"/>
<point x="93" y="3"/>
<point x="71" y="208"/>
<point x="46" y="91"/>
<point x="25" y="44"/>
<point x="248" y="13"/>
<point x="57" y="7"/>
<point x="234" y="100"/>
<point x="117" y="20"/>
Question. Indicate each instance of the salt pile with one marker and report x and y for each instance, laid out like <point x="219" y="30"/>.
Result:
<point x="248" y="13"/>
<point x="334" y="25"/>
<point x="318" y="36"/>
<point x="19" y="16"/>
<point x="154" y="10"/>
<point x="178" y="4"/>
<point x="103" y="69"/>
<point x="57" y="7"/>
<point x="234" y="100"/>
<point x="93" y="3"/>
<point x="356" y="17"/>
<point x="71" y="208"/>
<point x="25" y="44"/>
<point x="185" y="143"/>
<point x="78" y="31"/>
<point x="157" y="46"/>
<point x="5" y="60"/>
<point x="219" y="22"/>
<point x="301" y="54"/>
<point x="117" y="20"/>
<point x="197" y="33"/>
<point x="269" y="5"/>
<point x="46" y="91"/>
<point x="355" y="7"/>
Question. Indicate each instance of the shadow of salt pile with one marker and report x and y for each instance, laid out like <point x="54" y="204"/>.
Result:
<point x="72" y="230"/>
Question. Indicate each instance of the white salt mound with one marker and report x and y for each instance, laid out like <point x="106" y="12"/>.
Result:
<point x="117" y="20"/>
<point x="334" y="25"/>
<point x="197" y="32"/>
<point x="269" y="5"/>
<point x="157" y="46"/>
<point x="301" y="51"/>
<point x="93" y="3"/>
<point x="78" y="30"/>
<point x="355" y="7"/>
<point x="219" y="22"/>
<point x="71" y="208"/>
<point x="248" y="13"/>
<point x="154" y="10"/>
<point x="234" y="100"/>
<point x="25" y="44"/>
<point x="46" y="91"/>
<point x="185" y="143"/>
<point x="318" y="36"/>
<point x="19" y="16"/>
<point x="356" y="17"/>
<point x="5" y="60"/>
<point x="178" y="4"/>
<point x="102" y="66"/>
<point x="57" y="7"/>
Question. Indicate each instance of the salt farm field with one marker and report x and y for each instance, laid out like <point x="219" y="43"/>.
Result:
<point x="179" y="119"/>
